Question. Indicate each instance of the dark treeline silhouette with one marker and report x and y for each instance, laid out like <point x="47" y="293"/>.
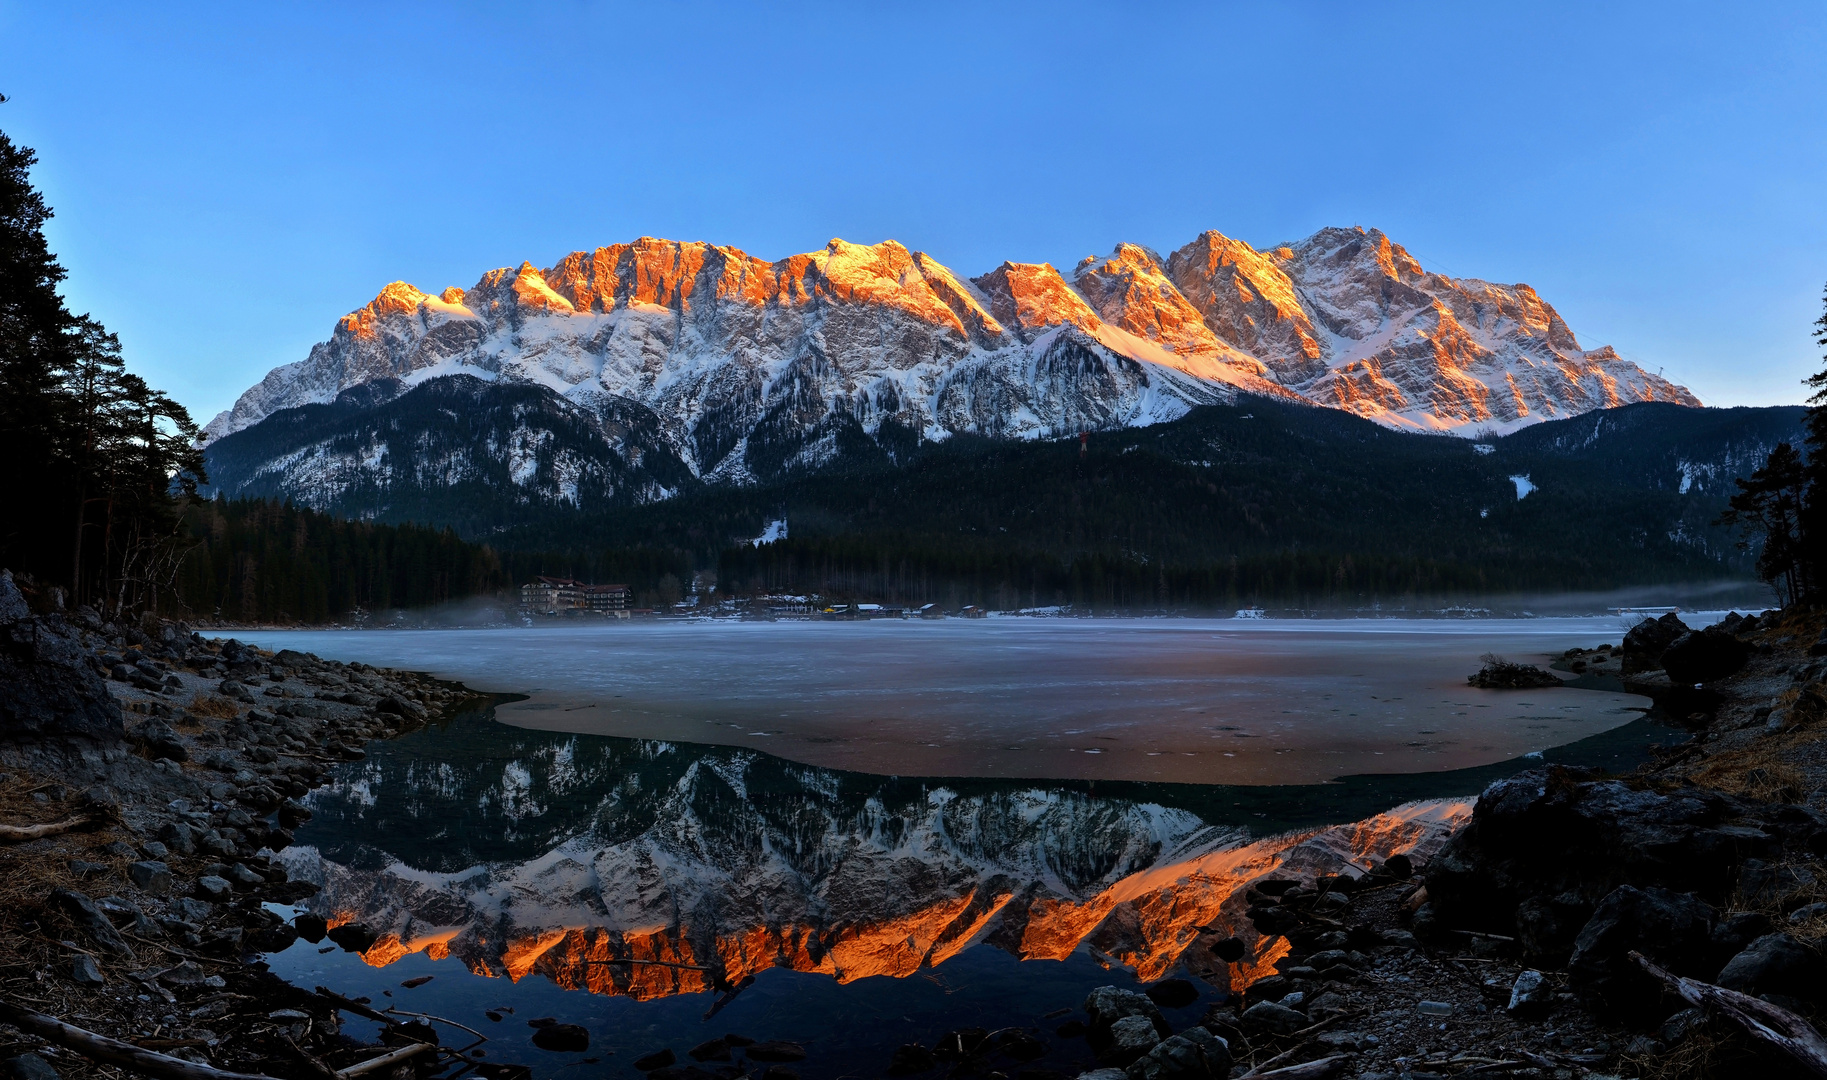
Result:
<point x="260" y="561"/>
<point x="101" y="465"/>
<point x="916" y="571"/>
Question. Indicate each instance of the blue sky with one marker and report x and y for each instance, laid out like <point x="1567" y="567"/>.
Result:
<point x="228" y="181"/>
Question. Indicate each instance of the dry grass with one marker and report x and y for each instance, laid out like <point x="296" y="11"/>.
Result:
<point x="1696" y="1057"/>
<point x="1762" y="770"/>
<point x="36" y="867"/>
<point x="212" y="706"/>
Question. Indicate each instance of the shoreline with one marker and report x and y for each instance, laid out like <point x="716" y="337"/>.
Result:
<point x="162" y="770"/>
<point x="1357" y="1017"/>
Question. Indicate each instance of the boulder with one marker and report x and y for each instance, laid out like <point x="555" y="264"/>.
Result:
<point x="710" y="1050"/>
<point x="1673" y="929"/>
<point x="1704" y="656"/>
<point x="659" y="1059"/>
<point x="52" y="690"/>
<point x="776" y="1050"/>
<point x="1194" y="1054"/>
<point x="272" y="939"/>
<point x="1108" y="1004"/>
<point x="1567" y="839"/>
<point x="85" y="914"/>
<point x="1776" y="964"/>
<point x="84" y="971"/>
<point x="27" y="1067"/>
<point x="1530" y="994"/>
<point x="311" y="927"/>
<point x="179" y="837"/>
<point x="353" y="937"/>
<point x="1128" y="1039"/>
<point x="1274" y="1018"/>
<point x="1644" y="644"/>
<point x="562" y="1038"/>
<point x="1546" y="926"/>
<point x="1172" y="993"/>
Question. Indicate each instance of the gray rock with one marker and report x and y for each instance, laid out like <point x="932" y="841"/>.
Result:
<point x="244" y="875"/>
<point x="1129" y="1038"/>
<point x="185" y="974"/>
<point x="1108" y="1004"/>
<point x="1775" y="964"/>
<point x="180" y="837"/>
<point x="12" y="602"/>
<point x="1674" y="929"/>
<point x="215" y="888"/>
<point x="84" y="971"/>
<point x="89" y="917"/>
<point x="1272" y="1017"/>
<point x="192" y="910"/>
<point x="85" y="869"/>
<point x="29" y="1066"/>
<point x="1194" y="1054"/>
<point x="1531" y="995"/>
<point x="52" y="690"/>
<point x="1678" y="1027"/>
<point x="1807" y="911"/>
<point x="154" y="849"/>
<point x="151" y="876"/>
<point x="1104" y="1074"/>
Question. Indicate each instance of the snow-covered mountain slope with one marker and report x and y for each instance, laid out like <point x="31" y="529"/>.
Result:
<point x="727" y="352"/>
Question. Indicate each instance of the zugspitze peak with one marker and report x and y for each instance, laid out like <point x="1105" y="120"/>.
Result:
<point x="741" y="366"/>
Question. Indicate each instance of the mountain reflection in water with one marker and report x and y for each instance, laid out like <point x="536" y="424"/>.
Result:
<point x="524" y="852"/>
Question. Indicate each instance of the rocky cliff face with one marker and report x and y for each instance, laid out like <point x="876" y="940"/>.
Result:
<point x="747" y="367"/>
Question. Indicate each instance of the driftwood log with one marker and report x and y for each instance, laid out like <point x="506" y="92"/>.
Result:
<point x="1311" y="1070"/>
<point x="387" y="1060"/>
<point x="13" y="834"/>
<point x="113" y="1051"/>
<point x="163" y="1066"/>
<point x="1775" y="1025"/>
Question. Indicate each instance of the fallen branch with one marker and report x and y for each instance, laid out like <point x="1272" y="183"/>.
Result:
<point x="1311" y="1070"/>
<point x="1301" y="1039"/>
<point x="113" y="1051"/>
<point x="13" y="834"/>
<point x="439" y="1019"/>
<point x="315" y="1063"/>
<point x="1773" y="1024"/>
<point x="351" y="1005"/>
<point x="392" y="1057"/>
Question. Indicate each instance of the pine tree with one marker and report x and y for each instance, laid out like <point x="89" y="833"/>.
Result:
<point x="102" y="465"/>
<point x="1770" y="504"/>
<point x="1814" y="522"/>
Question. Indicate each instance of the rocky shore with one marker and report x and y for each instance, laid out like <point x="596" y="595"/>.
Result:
<point x="147" y="776"/>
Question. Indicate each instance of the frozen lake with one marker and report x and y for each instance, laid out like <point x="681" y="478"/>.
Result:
<point x="1181" y="700"/>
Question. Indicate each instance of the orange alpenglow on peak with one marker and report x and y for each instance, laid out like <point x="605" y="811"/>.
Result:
<point x="1345" y="318"/>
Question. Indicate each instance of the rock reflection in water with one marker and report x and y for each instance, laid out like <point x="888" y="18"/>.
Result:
<point x="523" y="852"/>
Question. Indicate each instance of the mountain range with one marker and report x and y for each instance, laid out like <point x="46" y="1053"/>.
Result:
<point x="690" y="361"/>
